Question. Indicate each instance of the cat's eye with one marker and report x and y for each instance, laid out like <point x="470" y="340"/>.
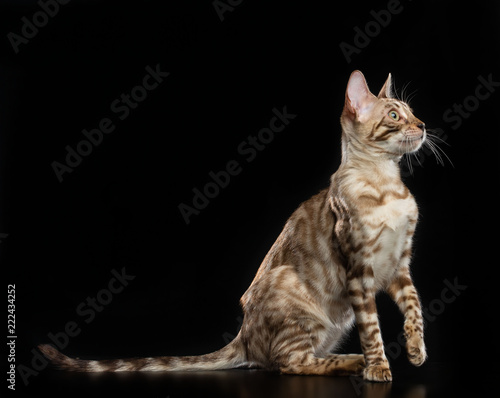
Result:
<point x="394" y="115"/>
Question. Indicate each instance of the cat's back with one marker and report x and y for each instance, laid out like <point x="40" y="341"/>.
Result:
<point x="307" y="231"/>
<point x="304" y="248"/>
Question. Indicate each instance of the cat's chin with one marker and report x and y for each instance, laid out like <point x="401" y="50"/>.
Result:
<point x="412" y="141"/>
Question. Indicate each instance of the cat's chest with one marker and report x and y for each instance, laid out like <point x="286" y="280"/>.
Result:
<point x="394" y="214"/>
<point x="387" y="232"/>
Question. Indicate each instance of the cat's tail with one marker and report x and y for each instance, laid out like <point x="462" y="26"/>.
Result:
<point x="231" y="356"/>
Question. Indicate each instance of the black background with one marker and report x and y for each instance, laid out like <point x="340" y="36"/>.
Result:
<point x="119" y="207"/>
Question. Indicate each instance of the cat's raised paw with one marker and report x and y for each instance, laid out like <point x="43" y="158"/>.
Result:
<point x="379" y="372"/>
<point x="416" y="350"/>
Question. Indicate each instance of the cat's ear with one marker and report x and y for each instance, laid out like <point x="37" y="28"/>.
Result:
<point x="358" y="98"/>
<point x="386" y="91"/>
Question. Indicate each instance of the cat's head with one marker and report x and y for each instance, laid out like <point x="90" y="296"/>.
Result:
<point x="379" y="125"/>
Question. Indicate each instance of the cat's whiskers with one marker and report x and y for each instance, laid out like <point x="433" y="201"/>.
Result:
<point x="406" y="155"/>
<point x="432" y="142"/>
<point x="436" y="149"/>
<point x="415" y="155"/>
<point x="405" y="97"/>
<point x="435" y="136"/>
<point x="435" y="152"/>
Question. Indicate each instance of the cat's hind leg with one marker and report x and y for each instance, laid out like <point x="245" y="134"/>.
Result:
<point x="300" y="349"/>
<point x="332" y="365"/>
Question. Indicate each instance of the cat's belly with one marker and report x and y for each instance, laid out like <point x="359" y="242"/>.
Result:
<point x="341" y="321"/>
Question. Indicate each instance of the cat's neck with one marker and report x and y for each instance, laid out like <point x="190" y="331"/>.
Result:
<point x="369" y="160"/>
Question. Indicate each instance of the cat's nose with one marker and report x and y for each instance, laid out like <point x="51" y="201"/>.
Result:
<point x="421" y="126"/>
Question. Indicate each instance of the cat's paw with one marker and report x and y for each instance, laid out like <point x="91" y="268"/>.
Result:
<point x="356" y="364"/>
<point x="415" y="347"/>
<point x="378" y="372"/>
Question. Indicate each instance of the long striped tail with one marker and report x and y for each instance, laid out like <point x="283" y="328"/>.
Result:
<point x="231" y="356"/>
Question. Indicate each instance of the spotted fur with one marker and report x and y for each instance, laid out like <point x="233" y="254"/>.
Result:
<point x="336" y="251"/>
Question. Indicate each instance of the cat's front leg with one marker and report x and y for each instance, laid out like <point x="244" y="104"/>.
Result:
<point x="360" y="287"/>
<point x="403" y="292"/>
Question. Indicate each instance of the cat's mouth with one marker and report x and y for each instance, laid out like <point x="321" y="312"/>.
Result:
<point x="412" y="141"/>
<point x="413" y="136"/>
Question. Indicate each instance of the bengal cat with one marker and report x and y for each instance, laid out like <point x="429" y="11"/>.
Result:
<point x="336" y="251"/>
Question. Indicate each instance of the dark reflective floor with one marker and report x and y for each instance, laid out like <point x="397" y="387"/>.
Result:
<point x="432" y="380"/>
